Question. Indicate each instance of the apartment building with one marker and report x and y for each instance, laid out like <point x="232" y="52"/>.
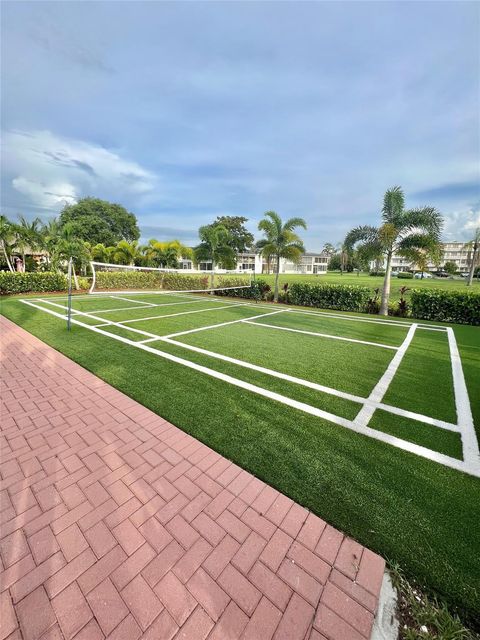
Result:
<point x="310" y="263"/>
<point x="458" y="252"/>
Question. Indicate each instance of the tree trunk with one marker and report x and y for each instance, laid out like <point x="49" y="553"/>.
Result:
<point x="386" y="286"/>
<point x="212" y="277"/>
<point x="23" y="265"/>
<point x="7" y="259"/>
<point x="75" y="279"/>
<point x="472" y="266"/>
<point x="277" y="273"/>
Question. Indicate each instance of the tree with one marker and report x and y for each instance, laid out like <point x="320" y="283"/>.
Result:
<point x="280" y="241"/>
<point x="7" y="236"/>
<point x="50" y="235"/>
<point x="215" y="245"/>
<point x="127" y="252"/>
<point x="240" y="239"/>
<point x="335" y="262"/>
<point x="474" y="246"/>
<point x="402" y="232"/>
<point x="450" y="267"/>
<point x="100" y="222"/>
<point x="329" y="249"/>
<point x="27" y="236"/>
<point x="165" y="254"/>
<point x="69" y="246"/>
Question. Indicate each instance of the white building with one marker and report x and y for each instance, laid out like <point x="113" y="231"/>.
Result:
<point x="458" y="252"/>
<point x="310" y="263"/>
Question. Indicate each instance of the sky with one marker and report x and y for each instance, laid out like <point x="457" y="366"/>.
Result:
<point x="183" y="111"/>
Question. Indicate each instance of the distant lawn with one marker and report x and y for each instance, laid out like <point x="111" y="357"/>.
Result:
<point x="415" y="512"/>
<point x="374" y="281"/>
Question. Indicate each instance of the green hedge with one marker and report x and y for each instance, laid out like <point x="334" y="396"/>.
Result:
<point x="329" y="296"/>
<point x="256" y="290"/>
<point x="111" y="280"/>
<point x="462" y="307"/>
<point x="405" y="275"/>
<point x="35" y="282"/>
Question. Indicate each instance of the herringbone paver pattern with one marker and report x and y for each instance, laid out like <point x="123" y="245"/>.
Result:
<point x="116" y="524"/>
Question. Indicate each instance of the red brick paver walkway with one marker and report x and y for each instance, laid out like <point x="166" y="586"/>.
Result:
<point x="116" y="524"/>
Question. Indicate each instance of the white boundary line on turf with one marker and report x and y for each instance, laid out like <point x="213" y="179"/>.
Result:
<point x="321" y="335"/>
<point x="471" y="453"/>
<point x="301" y="406"/>
<point x="312" y="385"/>
<point x="153" y="337"/>
<point x="181" y="313"/>
<point x="220" y="324"/>
<point x="148" y="304"/>
<point x="380" y="389"/>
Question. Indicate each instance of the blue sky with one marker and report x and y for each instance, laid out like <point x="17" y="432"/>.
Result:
<point x="183" y="111"/>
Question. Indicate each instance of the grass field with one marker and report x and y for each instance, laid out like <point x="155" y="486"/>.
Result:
<point x="372" y="424"/>
<point x="373" y="282"/>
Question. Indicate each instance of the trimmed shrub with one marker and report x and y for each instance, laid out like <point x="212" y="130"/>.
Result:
<point x="405" y="275"/>
<point x="462" y="307"/>
<point x="258" y="289"/>
<point x="377" y="273"/>
<point x="31" y="281"/>
<point x="330" y="296"/>
<point x="118" y="280"/>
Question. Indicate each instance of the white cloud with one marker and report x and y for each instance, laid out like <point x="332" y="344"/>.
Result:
<point x="460" y="225"/>
<point x="51" y="171"/>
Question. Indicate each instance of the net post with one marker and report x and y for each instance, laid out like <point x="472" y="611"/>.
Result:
<point x="69" y="304"/>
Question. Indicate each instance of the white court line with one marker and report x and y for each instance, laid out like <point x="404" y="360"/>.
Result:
<point x="221" y="324"/>
<point x="322" y="335"/>
<point x="153" y="337"/>
<point x="380" y="389"/>
<point x="471" y="453"/>
<point x="311" y="385"/>
<point x="183" y="313"/>
<point x="148" y="304"/>
<point x="301" y="406"/>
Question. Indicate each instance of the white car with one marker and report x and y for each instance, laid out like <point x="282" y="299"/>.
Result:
<point x="424" y="275"/>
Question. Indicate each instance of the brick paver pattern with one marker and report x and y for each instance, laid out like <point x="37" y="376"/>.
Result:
<point x="117" y="524"/>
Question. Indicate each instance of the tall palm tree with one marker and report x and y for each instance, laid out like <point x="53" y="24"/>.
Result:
<point x="7" y="236"/>
<point x="280" y="241"/>
<point x="403" y="231"/>
<point x="69" y="246"/>
<point x="214" y="247"/>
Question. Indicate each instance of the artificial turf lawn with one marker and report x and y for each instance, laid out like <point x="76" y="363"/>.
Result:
<point x="423" y="382"/>
<point x="412" y="511"/>
<point x="426" y="435"/>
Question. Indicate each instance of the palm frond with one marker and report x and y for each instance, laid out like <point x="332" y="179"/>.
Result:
<point x="426" y="219"/>
<point x="292" y="223"/>
<point x="365" y="234"/>
<point x="393" y="205"/>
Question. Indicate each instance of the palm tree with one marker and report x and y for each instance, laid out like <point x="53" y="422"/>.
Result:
<point x="474" y="246"/>
<point x="403" y="231"/>
<point x="7" y="235"/>
<point x="50" y="235"/>
<point x="280" y="241"/>
<point x="28" y="236"/>
<point x="214" y="247"/>
<point x="127" y="252"/>
<point x="328" y="249"/>
<point x="69" y="246"/>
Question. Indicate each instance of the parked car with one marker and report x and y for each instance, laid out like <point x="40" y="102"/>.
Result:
<point x="394" y="273"/>
<point x="442" y="274"/>
<point x="422" y="275"/>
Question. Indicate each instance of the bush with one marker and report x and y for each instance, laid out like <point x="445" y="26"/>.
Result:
<point x="31" y="281"/>
<point x="405" y="275"/>
<point x="462" y="307"/>
<point x="258" y="289"/>
<point x="111" y="280"/>
<point x="377" y="273"/>
<point x="330" y="296"/>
